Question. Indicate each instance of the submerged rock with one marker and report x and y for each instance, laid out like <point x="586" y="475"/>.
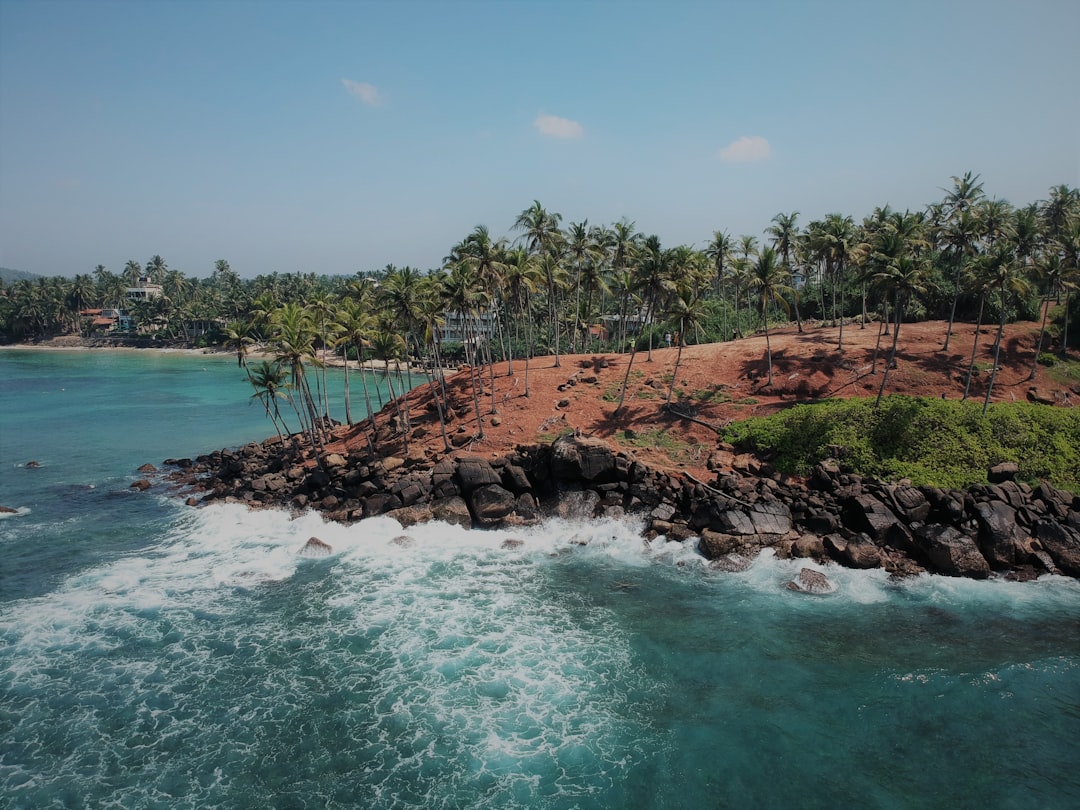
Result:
<point x="315" y="547"/>
<point x="810" y="581"/>
<point x="730" y="563"/>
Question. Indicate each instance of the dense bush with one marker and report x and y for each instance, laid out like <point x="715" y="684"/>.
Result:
<point x="931" y="441"/>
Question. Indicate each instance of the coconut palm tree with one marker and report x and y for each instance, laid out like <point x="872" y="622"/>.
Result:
<point x="238" y="336"/>
<point x="521" y="280"/>
<point x="388" y="345"/>
<point x="974" y="280"/>
<point x="465" y="295"/>
<point x="543" y="237"/>
<point x="719" y="251"/>
<point x="322" y="308"/>
<point x="770" y="280"/>
<point x="960" y="228"/>
<point x="903" y="276"/>
<point x="292" y="339"/>
<point x="654" y="281"/>
<point x="837" y="236"/>
<point x="156" y="269"/>
<point x="784" y="234"/>
<point x="132" y="272"/>
<point x="269" y="381"/>
<point x="1009" y="278"/>
<point x="486" y="257"/>
<point x="687" y="312"/>
<point x="400" y="293"/>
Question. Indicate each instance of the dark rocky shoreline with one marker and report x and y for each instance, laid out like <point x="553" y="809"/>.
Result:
<point x="1003" y="528"/>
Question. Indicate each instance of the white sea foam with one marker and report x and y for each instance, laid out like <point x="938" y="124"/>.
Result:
<point x="447" y="662"/>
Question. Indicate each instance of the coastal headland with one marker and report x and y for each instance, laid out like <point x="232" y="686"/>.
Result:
<point x="521" y="444"/>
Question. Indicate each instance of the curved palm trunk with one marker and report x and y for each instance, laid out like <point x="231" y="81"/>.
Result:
<point x="675" y="371"/>
<point x="840" y="342"/>
<point x="1038" y="346"/>
<point x="882" y="327"/>
<point x="626" y="377"/>
<point x="892" y="354"/>
<point x="348" y="404"/>
<point x="528" y="352"/>
<point x="378" y="391"/>
<point x="768" y="344"/>
<point x="997" y="352"/>
<point x="1065" y="329"/>
<point x="553" y="307"/>
<point x="474" y="375"/>
<point x="952" y="310"/>
<point x="491" y="377"/>
<point x="363" y="381"/>
<point x="440" y="410"/>
<point x="974" y="348"/>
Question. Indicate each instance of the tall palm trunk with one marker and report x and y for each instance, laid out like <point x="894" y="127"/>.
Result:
<point x="952" y="310"/>
<point x="363" y="380"/>
<point x="348" y="404"/>
<point x="997" y="351"/>
<point x="626" y="378"/>
<point x="892" y="354"/>
<point x="474" y="376"/>
<point x="768" y="344"/>
<point x="1042" y="332"/>
<point x="883" y="327"/>
<point x="675" y="371"/>
<point x="974" y="347"/>
<point x="1065" y="329"/>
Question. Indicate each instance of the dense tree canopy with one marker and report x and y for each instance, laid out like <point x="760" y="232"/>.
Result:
<point x="546" y="288"/>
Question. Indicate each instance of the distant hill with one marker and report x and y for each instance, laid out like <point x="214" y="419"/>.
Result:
<point x="9" y="276"/>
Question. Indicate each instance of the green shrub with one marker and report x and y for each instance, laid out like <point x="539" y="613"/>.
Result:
<point x="1047" y="359"/>
<point x="931" y="441"/>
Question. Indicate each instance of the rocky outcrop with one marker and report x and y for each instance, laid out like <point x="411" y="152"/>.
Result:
<point x="833" y="515"/>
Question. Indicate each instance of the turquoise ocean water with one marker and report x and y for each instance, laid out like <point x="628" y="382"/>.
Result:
<point x="155" y="655"/>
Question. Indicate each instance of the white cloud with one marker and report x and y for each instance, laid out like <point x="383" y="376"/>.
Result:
<point x="367" y="93"/>
<point x="555" y="127"/>
<point x="746" y="149"/>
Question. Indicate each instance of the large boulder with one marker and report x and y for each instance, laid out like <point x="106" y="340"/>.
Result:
<point x="1004" y="471"/>
<point x="452" y="510"/>
<point x="999" y="539"/>
<point x="1062" y="543"/>
<point x="715" y="545"/>
<point x="909" y="503"/>
<point x="411" y="515"/>
<point x="762" y="517"/>
<point x="575" y="459"/>
<point x="952" y="552"/>
<point x="577" y="504"/>
<point x="474" y="472"/>
<point x="770" y="517"/>
<point x="865" y="513"/>
<point x="490" y="504"/>
<point x="859" y="552"/>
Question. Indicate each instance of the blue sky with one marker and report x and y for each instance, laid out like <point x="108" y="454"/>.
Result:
<point x="332" y="137"/>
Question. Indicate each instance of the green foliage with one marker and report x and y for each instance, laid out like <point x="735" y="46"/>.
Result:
<point x="661" y="439"/>
<point x="1047" y="359"/>
<point x="931" y="441"/>
<point x="1065" y="371"/>
<point x="714" y="393"/>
